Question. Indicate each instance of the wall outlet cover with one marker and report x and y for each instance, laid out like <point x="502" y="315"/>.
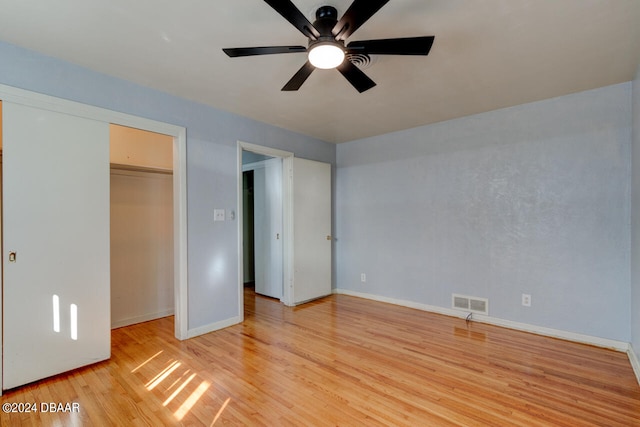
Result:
<point x="218" y="214"/>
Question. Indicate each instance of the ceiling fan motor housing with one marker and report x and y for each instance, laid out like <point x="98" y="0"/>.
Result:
<point x="326" y="19"/>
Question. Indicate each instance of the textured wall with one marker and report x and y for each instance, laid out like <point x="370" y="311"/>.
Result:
<point x="530" y="199"/>
<point x="211" y="163"/>
<point x="635" y="220"/>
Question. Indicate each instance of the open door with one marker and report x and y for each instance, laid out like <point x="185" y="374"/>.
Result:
<point x="56" y="243"/>
<point x="267" y="207"/>
<point x="311" y="230"/>
<point x="306" y="225"/>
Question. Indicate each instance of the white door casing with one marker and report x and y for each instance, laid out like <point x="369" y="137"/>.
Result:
<point x="56" y="220"/>
<point x="307" y="243"/>
<point x="287" y="229"/>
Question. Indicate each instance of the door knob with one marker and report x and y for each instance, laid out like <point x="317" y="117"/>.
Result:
<point x="12" y="256"/>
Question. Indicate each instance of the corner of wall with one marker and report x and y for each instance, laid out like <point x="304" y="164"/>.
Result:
<point x="635" y="225"/>
<point x="635" y="362"/>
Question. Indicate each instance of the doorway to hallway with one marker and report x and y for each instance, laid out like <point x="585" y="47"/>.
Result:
<point x="263" y="223"/>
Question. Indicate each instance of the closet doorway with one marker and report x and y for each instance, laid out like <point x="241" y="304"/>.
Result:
<point x="142" y="248"/>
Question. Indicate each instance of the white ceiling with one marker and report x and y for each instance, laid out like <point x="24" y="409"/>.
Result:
<point x="487" y="54"/>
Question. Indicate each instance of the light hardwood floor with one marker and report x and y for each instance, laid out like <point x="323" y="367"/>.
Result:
<point x="340" y="361"/>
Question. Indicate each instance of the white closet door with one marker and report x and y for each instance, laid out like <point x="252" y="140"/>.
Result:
<point x="56" y="243"/>
<point x="267" y="191"/>
<point x="311" y="229"/>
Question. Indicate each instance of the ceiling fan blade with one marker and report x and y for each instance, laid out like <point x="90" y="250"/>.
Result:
<point x="292" y="14"/>
<point x="356" y="77"/>
<point x="300" y="77"/>
<point x="401" y="46"/>
<point x="269" y="50"/>
<point x="358" y="13"/>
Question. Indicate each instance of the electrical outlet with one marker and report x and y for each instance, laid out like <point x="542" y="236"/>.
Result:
<point x="526" y="300"/>
<point x="363" y="277"/>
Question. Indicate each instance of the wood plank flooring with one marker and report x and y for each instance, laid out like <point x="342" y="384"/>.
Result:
<point x="340" y="361"/>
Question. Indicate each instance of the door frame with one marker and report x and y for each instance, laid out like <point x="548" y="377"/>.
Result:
<point x="287" y="221"/>
<point x="255" y="166"/>
<point x="179" y="134"/>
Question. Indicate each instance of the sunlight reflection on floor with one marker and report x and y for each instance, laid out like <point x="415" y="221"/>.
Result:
<point x="224" y="405"/>
<point x="178" y="390"/>
<point x="180" y="380"/>
<point x="191" y="400"/>
<point x="162" y="375"/>
<point x="146" y="361"/>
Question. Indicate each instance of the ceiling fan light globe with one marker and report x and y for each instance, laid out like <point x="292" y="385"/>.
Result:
<point x="326" y="56"/>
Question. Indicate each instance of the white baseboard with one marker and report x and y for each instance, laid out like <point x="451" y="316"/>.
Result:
<point x="142" y="318"/>
<point x="213" y="326"/>
<point x="635" y="362"/>
<point x="539" y="330"/>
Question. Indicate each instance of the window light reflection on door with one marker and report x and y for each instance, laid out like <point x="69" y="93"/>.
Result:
<point x="74" y="321"/>
<point x="73" y="316"/>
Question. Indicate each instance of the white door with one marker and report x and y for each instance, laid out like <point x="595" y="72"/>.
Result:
<point x="56" y="243"/>
<point x="311" y="230"/>
<point x="267" y="207"/>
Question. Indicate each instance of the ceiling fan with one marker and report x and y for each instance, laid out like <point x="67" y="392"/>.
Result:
<point x="327" y="49"/>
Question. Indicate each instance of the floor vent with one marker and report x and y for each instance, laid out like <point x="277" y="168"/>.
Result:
<point x="472" y="304"/>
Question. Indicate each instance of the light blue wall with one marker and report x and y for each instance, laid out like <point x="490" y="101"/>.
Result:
<point x="211" y="163"/>
<point x="635" y="221"/>
<point x="530" y="199"/>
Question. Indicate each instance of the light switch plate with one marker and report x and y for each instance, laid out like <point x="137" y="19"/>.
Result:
<point x="218" y="214"/>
